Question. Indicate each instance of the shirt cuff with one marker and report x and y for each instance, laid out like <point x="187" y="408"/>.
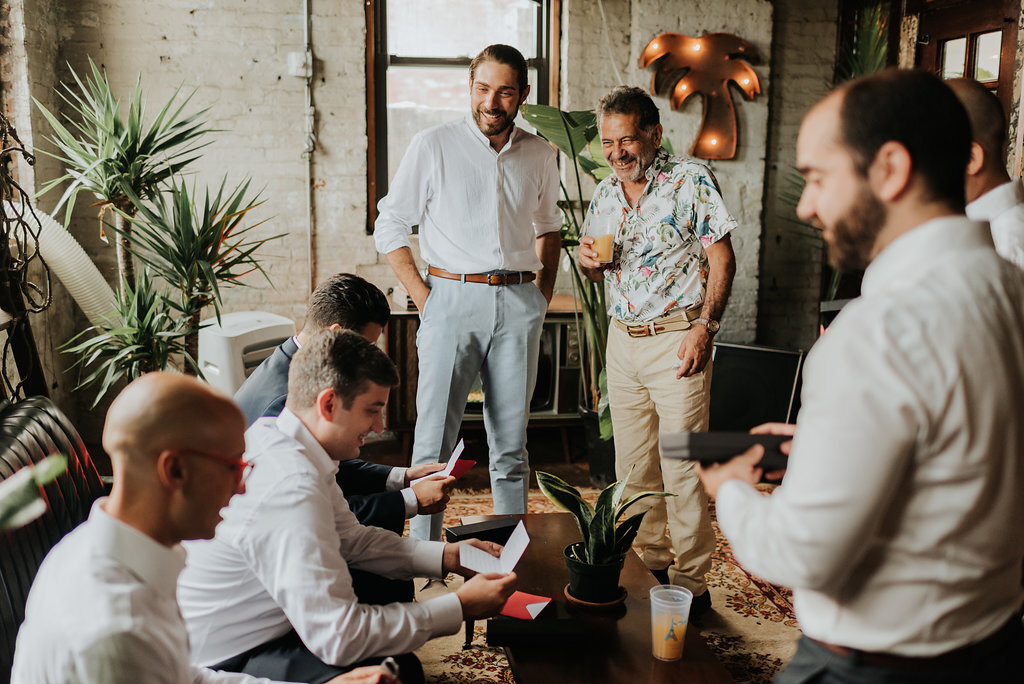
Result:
<point x="446" y="613"/>
<point x="396" y="479"/>
<point x="734" y="496"/>
<point x="389" y="243"/>
<point x="412" y="504"/>
<point x="427" y="558"/>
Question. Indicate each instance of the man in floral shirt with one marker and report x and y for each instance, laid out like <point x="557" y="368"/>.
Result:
<point x="668" y="282"/>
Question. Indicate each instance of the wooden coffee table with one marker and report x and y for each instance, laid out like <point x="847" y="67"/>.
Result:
<point x="617" y="647"/>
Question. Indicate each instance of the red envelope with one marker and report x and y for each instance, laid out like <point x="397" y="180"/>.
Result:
<point x="524" y="606"/>
<point x="461" y="466"/>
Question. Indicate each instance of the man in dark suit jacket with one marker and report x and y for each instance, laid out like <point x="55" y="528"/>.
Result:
<point x="378" y="495"/>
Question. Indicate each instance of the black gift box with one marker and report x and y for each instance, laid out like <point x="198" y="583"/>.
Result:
<point x="497" y="531"/>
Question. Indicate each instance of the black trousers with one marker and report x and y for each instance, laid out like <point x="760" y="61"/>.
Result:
<point x="996" y="659"/>
<point x="287" y="659"/>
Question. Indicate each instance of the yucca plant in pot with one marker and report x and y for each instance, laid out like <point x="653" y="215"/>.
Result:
<point x="103" y="152"/>
<point x="594" y="563"/>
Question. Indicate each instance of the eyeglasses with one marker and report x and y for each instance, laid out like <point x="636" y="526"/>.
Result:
<point x="242" y="467"/>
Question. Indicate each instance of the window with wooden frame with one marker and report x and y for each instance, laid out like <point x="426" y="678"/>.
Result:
<point x="975" y="39"/>
<point x="417" y="68"/>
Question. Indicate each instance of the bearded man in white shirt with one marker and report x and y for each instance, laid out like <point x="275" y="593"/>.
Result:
<point x="483" y="193"/>
<point x="991" y="195"/>
<point x="271" y="594"/>
<point x="898" y="525"/>
<point x="102" y="609"/>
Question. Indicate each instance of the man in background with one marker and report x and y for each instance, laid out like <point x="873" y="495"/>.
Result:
<point x="898" y="524"/>
<point x="271" y="592"/>
<point x="378" y="495"/>
<point x="668" y="284"/>
<point x="483" y="193"/>
<point x="991" y="195"/>
<point x="102" y="609"/>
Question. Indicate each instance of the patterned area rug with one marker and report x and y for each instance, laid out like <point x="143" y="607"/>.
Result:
<point x="752" y="629"/>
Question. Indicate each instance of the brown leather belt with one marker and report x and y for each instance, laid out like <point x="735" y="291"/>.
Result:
<point x="958" y="657"/>
<point x="487" y="278"/>
<point x="664" y="324"/>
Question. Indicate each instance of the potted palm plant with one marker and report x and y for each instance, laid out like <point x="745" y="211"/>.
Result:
<point x="20" y="501"/>
<point x="594" y="563"/>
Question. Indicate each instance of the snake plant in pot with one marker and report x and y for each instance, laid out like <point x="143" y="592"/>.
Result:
<point x="594" y="563"/>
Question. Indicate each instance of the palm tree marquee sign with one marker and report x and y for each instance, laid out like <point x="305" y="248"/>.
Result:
<point x="685" y="66"/>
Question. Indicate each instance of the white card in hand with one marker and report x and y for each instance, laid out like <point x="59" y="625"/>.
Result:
<point x="482" y="562"/>
<point x="448" y="468"/>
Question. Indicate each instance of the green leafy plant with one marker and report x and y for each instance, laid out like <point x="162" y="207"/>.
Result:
<point x="103" y="153"/>
<point x="197" y="248"/>
<point x="573" y="133"/>
<point x="605" y="540"/>
<point x="143" y="336"/>
<point x="20" y="502"/>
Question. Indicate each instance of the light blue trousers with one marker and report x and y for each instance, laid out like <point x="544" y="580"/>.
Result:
<point x="494" y="331"/>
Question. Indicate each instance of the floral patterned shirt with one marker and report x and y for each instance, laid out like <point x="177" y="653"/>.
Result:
<point x="659" y="264"/>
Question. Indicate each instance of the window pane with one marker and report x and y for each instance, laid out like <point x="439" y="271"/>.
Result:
<point x="986" y="56"/>
<point x="421" y="97"/>
<point x="460" y="28"/>
<point x="954" y="57"/>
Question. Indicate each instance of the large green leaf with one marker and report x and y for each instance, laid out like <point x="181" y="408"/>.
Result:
<point x="568" y="131"/>
<point x="568" y="498"/>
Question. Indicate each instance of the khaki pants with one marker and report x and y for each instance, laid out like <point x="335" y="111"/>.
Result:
<point x="646" y="398"/>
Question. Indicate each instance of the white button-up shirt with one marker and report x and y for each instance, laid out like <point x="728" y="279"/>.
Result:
<point x="102" y="610"/>
<point x="280" y="561"/>
<point x="477" y="210"/>
<point x="1003" y="208"/>
<point x="900" y="522"/>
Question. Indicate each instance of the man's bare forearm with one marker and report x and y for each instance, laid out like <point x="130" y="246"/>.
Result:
<point x="548" y="248"/>
<point x="404" y="266"/>
<point x="721" y="271"/>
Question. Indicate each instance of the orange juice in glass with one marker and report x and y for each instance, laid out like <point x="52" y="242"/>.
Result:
<point x="670" y="612"/>
<point x="604" y="239"/>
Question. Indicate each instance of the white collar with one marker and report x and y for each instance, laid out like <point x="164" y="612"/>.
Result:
<point x="996" y="201"/>
<point x="149" y="560"/>
<point x="291" y="425"/>
<point x="917" y="249"/>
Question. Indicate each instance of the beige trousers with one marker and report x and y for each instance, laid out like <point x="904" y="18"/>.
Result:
<point x="646" y="398"/>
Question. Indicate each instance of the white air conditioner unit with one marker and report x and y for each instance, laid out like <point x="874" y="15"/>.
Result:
<point x="231" y="350"/>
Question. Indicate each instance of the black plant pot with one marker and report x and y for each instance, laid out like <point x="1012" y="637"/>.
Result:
<point x="600" y="452"/>
<point x="592" y="583"/>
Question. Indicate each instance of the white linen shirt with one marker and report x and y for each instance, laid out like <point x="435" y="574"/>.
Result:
<point x="102" y="610"/>
<point x="1003" y="208"/>
<point x="478" y="210"/>
<point x="280" y="560"/>
<point x="899" y="522"/>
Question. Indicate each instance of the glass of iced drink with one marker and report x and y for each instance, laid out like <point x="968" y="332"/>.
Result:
<point x="604" y="239"/>
<point x="670" y="612"/>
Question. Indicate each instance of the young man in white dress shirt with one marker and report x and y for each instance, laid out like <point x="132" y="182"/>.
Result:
<point x="483" y="193"/>
<point x="271" y="594"/>
<point x="991" y="194"/>
<point x="898" y="524"/>
<point x="102" y="609"/>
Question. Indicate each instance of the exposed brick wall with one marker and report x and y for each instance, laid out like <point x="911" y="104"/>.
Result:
<point x="805" y="39"/>
<point x="588" y="74"/>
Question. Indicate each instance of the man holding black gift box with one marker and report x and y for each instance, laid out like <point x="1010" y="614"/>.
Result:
<point x="898" y="525"/>
<point x="668" y="284"/>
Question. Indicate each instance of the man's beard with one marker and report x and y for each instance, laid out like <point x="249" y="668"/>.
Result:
<point x="492" y="129"/>
<point x="853" y="236"/>
<point x="643" y="160"/>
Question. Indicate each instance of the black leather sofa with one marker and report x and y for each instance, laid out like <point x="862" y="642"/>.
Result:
<point x="30" y="430"/>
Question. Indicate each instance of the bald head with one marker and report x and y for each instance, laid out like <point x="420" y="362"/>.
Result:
<point x="988" y="124"/>
<point x="161" y="411"/>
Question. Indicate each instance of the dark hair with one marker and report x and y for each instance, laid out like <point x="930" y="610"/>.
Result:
<point x="503" y="54"/>
<point x="917" y="110"/>
<point x="347" y="300"/>
<point x="340" y="360"/>
<point x="985" y="112"/>
<point x="630" y="100"/>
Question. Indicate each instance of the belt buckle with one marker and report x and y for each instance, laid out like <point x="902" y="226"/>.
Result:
<point x="639" y="330"/>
